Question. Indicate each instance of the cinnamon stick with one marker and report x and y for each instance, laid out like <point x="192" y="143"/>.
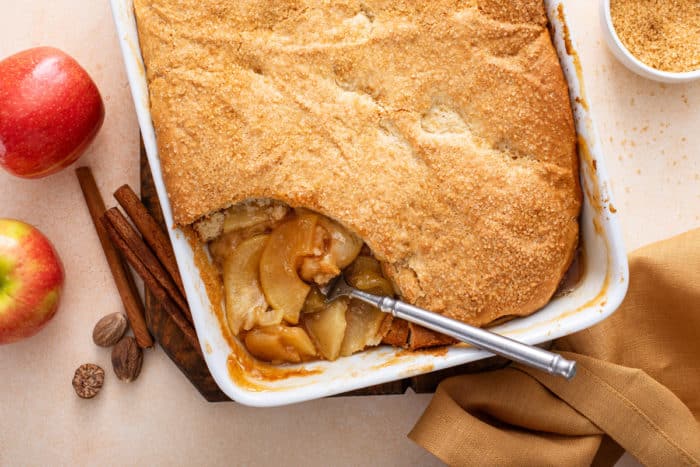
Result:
<point x="151" y="283"/>
<point x="121" y="274"/>
<point x="141" y="250"/>
<point x="138" y="261"/>
<point x="150" y="231"/>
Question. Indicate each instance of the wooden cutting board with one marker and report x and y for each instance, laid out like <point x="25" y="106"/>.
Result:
<point x="192" y="364"/>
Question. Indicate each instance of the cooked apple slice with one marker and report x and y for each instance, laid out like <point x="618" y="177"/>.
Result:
<point x="280" y="343"/>
<point x="327" y="328"/>
<point x="245" y="302"/>
<point x="365" y="274"/>
<point x="336" y="247"/>
<point x="315" y="301"/>
<point x="288" y="244"/>
<point x="268" y="348"/>
<point x="318" y="269"/>
<point x="245" y="215"/>
<point x="372" y="283"/>
<point x="344" y="245"/>
<point x="221" y="247"/>
<point x="241" y="216"/>
<point x="364" y="322"/>
<point x="363" y="327"/>
<point x="298" y="338"/>
<point x="364" y="264"/>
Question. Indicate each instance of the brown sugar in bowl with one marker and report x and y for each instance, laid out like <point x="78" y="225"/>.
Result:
<point x="669" y="53"/>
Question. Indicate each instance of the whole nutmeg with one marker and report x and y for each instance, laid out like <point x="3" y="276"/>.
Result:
<point x="127" y="358"/>
<point x="109" y="329"/>
<point x="88" y="380"/>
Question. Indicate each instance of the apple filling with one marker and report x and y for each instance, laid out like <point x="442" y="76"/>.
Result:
<point x="272" y="260"/>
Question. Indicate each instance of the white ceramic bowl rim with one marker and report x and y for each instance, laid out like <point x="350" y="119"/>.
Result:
<point x="667" y="75"/>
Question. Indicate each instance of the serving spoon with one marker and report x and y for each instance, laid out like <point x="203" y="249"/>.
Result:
<point x="529" y="355"/>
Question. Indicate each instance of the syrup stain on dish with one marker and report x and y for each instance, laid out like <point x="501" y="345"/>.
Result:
<point x="435" y="352"/>
<point x="597" y="227"/>
<point x="592" y="189"/>
<point x="135" y="51"/>
<point x="568" y="45"/>
<point x="417" y="370"/>
<point x="405" y="354"/>
<point x="252" y="374"/>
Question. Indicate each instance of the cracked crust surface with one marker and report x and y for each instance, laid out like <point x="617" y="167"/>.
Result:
<point x="440" y="132"/>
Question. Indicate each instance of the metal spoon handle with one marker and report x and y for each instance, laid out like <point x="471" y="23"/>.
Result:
<point x="550" y="362"/>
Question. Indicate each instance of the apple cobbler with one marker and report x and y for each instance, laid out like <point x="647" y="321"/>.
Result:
<point x="437" y="135"/>
<point x="272" y="260"/>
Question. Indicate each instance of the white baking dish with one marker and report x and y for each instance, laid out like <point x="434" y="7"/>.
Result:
<point x="597" y="295"/>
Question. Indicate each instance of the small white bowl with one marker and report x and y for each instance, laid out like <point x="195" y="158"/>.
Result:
<point x="632" y="62"/>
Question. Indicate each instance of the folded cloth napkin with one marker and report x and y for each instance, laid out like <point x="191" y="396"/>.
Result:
<point x="637" y="386"/>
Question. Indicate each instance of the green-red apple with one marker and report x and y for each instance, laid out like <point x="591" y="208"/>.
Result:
<point x="31" y="280"/>
<point x="50" y="111"/>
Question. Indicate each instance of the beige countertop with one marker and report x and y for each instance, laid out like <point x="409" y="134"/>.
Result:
<point x="651" y="139"/>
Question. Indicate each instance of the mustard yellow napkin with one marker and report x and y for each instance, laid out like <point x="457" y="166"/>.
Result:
<point x="637" y="387"/>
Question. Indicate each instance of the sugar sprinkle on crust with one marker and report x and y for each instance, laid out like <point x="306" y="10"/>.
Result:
<point x="440" y="132"/>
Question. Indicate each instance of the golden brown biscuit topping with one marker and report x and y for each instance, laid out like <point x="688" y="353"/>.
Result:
<point x="439" y="132"/>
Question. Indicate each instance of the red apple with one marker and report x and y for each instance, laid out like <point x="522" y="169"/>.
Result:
<point x="31" y="280"/>
<point x="50" y="111"/>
